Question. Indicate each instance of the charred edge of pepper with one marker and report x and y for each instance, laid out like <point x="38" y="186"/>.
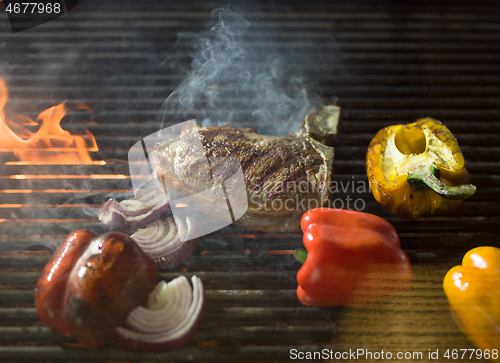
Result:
<point x="300" y="255"/>
<point x="428" y="177"/>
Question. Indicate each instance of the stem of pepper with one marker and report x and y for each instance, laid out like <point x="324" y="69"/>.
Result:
<point x="300" y="255"/>
<point x="428" y="177"/>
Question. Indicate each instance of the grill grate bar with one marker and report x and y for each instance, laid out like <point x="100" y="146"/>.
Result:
<point x="218" y="296"/>
<point x="285" y="279"/>
<point x="256" y="352"/>
<point x="256" y="333"/>
<point x="230" y="314"/>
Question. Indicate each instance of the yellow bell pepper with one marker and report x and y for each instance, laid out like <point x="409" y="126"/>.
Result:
<point x="417" y="169"/>
<point x="473" y="291"/>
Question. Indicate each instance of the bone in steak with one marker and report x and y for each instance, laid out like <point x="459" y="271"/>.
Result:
<point x="284" y="176"/>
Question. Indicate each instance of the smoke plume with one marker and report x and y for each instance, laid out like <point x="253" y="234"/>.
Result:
<point x="238" y="77"/>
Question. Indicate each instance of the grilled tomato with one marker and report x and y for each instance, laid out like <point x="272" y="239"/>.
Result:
<point x="91" y="283"/>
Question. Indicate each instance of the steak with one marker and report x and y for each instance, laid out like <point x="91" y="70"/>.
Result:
<point x="284" y="176"/>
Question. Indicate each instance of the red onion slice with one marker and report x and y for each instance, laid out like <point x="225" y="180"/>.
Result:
<point x="171" y="317"/>
<point x="129" y="215"/>
<point x="161" y="241"/>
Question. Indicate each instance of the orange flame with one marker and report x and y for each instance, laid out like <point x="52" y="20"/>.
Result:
<point x="50" y="144"/>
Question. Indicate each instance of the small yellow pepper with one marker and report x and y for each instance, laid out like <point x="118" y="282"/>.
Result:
<point x="473" y="291"/>
<point x="417" y="169"/>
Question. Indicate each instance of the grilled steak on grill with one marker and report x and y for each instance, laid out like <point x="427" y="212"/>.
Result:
<point x="284" y="176"/>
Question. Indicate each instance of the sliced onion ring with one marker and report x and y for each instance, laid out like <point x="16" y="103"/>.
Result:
<point x="129" y="215"/>
<point x="169" y="320"/>
<point x="161" y="240"/>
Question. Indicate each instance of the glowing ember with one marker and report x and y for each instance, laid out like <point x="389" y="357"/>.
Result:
<point x="50" y="144"/>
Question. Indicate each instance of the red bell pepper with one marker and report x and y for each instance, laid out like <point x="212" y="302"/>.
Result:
<point x="352" y="258"/>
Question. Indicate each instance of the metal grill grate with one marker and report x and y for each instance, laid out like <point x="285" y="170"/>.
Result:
<point x="397" y="63"/>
